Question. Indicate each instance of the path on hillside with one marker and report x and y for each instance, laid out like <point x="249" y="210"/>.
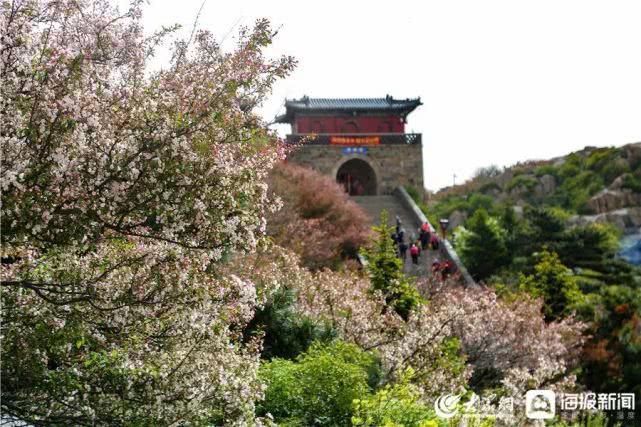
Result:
<point x="374" y="205"/>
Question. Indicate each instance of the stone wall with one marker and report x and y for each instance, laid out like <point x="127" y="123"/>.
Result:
<point x="394" y="164"/>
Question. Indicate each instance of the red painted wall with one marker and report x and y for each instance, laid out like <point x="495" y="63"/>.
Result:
<point x="349" y="124"/>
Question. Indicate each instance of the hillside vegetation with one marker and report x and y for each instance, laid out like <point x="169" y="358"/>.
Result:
<point x="551" y="229"/>
<point x="593" y="181"/>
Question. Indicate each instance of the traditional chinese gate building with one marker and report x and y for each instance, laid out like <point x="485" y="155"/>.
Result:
<point x="361" y="142"/>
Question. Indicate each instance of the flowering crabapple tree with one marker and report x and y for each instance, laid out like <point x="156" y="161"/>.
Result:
<point x="509" y="344"/>
<point x="504" y="344"/>
<point x="318" y="221"/>
<point x="123" y="189"/>
<point x="422" y="342"/>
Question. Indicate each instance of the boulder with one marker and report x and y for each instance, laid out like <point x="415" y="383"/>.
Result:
<point x="549" y="184"/>
<point x="457" y="218"/>
<point x="627" y="219"/>
<point x="632" y="152"/>
<point x="617" y="184"/>
<point x="518" y="211"/>
<point x="545" y="186"/>
<point x="610" y="200"/>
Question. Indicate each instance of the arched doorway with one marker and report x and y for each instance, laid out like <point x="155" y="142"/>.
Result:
<point x="357" y="178"/>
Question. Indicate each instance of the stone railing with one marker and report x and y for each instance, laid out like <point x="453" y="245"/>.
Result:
<point x="354" y="138"/>
<point x="446" y="249"/>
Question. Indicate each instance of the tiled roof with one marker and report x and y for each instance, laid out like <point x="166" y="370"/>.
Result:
<point x="404" y="106"/>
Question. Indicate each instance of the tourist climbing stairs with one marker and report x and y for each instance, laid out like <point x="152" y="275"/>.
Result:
<point x="399" y="203"/>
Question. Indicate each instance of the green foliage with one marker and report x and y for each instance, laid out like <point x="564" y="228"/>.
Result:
<point x="542" y="227"/>
<point x="482" y="245"/>
<point x="319" y="387"/>
<point x="573" y="268"/>
<point x="576" y="190"/>
<point x="632" y="181"/>
<point x="451" y="357"/>
<point x="526" y="182"/>
<point x="414" y="193"/>
<point x="478" y="201"/>
<point x="555" y="283"/>
<point x="286" y="332"/>
<point x="490" y="187"/>
<point x="397" y="405"/>
<point x="612" y="359"/>
<point x="588" y="246"/>
<point x="445" y="207"/>
<point x="385" y="271"/>
<point x="607" y="163"/>
<point x="546" y="170"/>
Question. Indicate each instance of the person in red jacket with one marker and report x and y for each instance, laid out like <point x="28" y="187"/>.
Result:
<point x="414" y="252"/>
<point x="434" y="243"/>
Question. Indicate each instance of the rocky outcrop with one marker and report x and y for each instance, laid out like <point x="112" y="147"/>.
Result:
<point x="456" y="218"/>
<point x="632" y="153"/>
<point x="546" y="183"/>
<point x="628" y="220"/>
<point x="610" y="200"/>
<point x="545" y="186"/>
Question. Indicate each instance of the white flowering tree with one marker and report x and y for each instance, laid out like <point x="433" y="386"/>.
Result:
<point x="122" y="191"/>
<point x="504" y="344"/>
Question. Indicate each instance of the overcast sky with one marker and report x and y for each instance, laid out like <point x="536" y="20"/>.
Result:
<point x="501" y="80"/>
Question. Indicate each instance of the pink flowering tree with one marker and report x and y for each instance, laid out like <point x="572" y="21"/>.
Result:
<point x="509" y="344"/>
<point x="504" y="345"/>
<point x="424" y="341"/>
<point x="123" y="189"/>
<point x="318" y="221"/>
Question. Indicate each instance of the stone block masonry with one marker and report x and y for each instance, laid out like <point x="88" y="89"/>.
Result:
<point x="394" y="165"/>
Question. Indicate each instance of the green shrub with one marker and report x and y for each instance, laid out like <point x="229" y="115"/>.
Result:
<point x="478" y="201"/>
<point x="577" y="189"/>
<point x="287" y="333"/>
<point x="632" y="182"/>
<point x="522" y="181"/>
<point x="572" y="165"/>
<point x="555" y="283"/>
<point x="547" y="170"/>
<point x="397" y="405"/>
<point x="318" y="388"/>
<point x="613" y="170"/>
<point x="414" y="193"/>
<point x="489" y="187"/>
<point x="600" y="158"/>
<point x="482" y="245"/>
<point x="445" y="207"/>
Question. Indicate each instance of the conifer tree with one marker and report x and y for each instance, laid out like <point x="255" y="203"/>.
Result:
<point x="385" y="270"/>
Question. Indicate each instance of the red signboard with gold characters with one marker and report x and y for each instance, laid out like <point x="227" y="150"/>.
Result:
<point x="355" y="140"/>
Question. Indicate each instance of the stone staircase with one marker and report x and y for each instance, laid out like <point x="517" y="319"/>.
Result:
<point x="374" y="205"/>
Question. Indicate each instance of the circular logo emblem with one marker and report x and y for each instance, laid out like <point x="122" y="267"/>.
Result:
<point x="445" y="405"/>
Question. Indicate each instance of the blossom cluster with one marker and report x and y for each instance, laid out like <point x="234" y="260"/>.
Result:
<point x="123" y="189"/>
<point x="509" y="341"/>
